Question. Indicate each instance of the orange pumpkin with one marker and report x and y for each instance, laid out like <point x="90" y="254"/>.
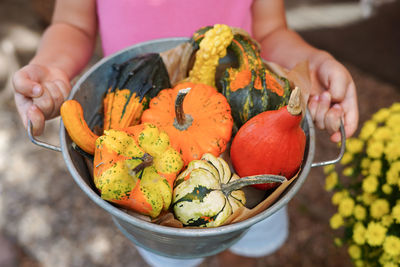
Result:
<point x="198" y="119"/>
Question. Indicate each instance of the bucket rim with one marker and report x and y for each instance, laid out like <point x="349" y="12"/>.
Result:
<point x="184" y="232"/>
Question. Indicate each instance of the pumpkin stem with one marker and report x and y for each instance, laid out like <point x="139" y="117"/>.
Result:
<point x="294" y="105"/>
<point x="182" y="121"/>
<point x="147" y="160"/>
<point x="250" y="180"/>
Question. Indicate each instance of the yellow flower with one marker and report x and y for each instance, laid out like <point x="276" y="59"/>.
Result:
<point x="387" y="220"/>
<point x="387" y="189"/>
<point x="393" y="120"/>
<point x="354" y="251"/>
<point x="337" y="197"/>
<point x="392" y="150"/>
<point x="375" y="149"/>
<point x="359" y="232"/>
<point x="338" y="242"/>
<point x="354" y="145"/>
<point x="365" y="163"/>
<point x="381" y="115"/>
<point x="367" y="130"/>
<point x="346" y="206"/>
<point x="368" y="198"/>
<point x="347" y="158"/>
<point x="392" y="175"/>
<point x="331" y="181"/>
<point x="348" y="171"/>
<point x="359" y="263"/>
<point x="385" y="258"/>
<point x="383" y="134"/>
<point x="375" y="167"/>
<point x="379" y="208"/>
<point x="336" y="221"/>
<point x="396" y="213"/>
<point x="375" y="234"/>
<point x="370" y="184"/>
<point x="392" y="245"/>
<point x="395" y="107"/>
<point x="329" y="168"/>
<point x="390" y="264"/>
<point x="360" y="212"/>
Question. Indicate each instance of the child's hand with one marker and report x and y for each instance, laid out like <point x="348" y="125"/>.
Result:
<point x="333" y="96"/>
<point x="39" y="93"/>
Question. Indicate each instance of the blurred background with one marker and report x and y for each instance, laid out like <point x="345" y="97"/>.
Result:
<point x="46" y="220"/>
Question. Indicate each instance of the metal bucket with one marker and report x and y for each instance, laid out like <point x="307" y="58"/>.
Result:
<point x="166" y="241"/>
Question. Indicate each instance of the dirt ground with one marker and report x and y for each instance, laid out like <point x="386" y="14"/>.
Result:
<point x="46" y="220"/>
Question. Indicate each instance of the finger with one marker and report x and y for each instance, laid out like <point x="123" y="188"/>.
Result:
<point x="332" y="118"/>
<point x="335" y="78"/>
<point x="313" y="106"/>
<point x="27" y="81"/>
<point x="65" y="88"/>
<point x="23" y="104"/>
<point x="45" y="103"/>
<point x="58" y="98"/>
<point x="323" y="107"/>
<point x="350" y="109"/>
<point x="37" y="119"/>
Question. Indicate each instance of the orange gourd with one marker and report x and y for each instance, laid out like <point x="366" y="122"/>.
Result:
<point x="272" y="142"/>
<point x="198" y="119"/>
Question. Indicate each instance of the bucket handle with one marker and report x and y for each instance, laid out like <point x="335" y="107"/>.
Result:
<point x="315" y="164"/>
<point x="40" y="143"/>
<point x="342" y="149"/>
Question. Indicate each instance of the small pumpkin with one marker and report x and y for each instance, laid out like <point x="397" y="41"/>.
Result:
<point x="272" y="142"/>
<point x="133" y="84"/>
<point x="136" y="168"/>
<point x="250" y="88"/>
<point x="196" y="117"/>
<point x="207" y="193"/>
<point x="72" y="116"/>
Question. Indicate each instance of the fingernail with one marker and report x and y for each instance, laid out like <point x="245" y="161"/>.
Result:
<point x="36" y="91"/>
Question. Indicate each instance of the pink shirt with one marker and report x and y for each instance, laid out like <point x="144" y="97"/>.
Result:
<point x="126" y="22"/>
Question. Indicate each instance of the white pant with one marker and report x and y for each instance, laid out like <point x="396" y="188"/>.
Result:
<point x="260" y="240"/>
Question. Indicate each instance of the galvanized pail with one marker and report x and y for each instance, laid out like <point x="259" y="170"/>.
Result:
<point x="165" y="241"/>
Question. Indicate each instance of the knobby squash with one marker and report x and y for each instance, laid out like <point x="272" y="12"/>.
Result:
<point x="72" y="116"/>
<point x="136" y="168"/>
<point x="207" y="193"/>
<point x="250" y="88"/>
<point x="132" y="84"/>
<point x="196" y="117"/>
<point x="272" y="142"/>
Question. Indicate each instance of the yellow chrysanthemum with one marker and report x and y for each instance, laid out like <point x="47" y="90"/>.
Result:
<point x="393" y="120"/>
<point x="337" y="197"/>
<point x="392" y="245"/>
<point x="390" y="264"/>
<point x="354" y="251"/>
<point x="338" y="242"/>
<point x="354" y="145"/>
<point x="359" y="232"/>
<point x="336" y="221"/>
<point x="331" y="181"/>
<point x="359" y="263"/>
<point x="393" y="174"/>
<point x="375" y="167"/>
<point x="346" y="206"/>
<point x="379" y="208"/>
<point x="329" y="168"/>
<point x="370" y="184"/>
<point x="375" y="149"/>
<point x="375" y="234"/>
<point x="385" y="258"/>
<point x="381" y="115"/>
<point x="365" y="163"/>
<point x="348" y="171"/>
<point x="395" y="107"/>
<point x="387" y="220"/>
<point x="360" y="212"/>
<point x="383" y="134"/>
<point x="392" y="150"/>
<point x="368" y="198"/>
<point x="396" y="213"/>
<point x="347" y="158"/>
<point x="367" y="130"/>
<point x="387" y="189"/>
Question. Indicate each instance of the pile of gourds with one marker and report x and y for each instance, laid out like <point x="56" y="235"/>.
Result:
<point x="160" y="146"/>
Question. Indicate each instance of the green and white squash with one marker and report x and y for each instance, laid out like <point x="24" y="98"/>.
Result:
<point x="207" y="193"/>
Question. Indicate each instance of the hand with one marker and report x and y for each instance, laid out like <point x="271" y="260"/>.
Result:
<point x="39" y="93"/>
<point x="333" y="96"/>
